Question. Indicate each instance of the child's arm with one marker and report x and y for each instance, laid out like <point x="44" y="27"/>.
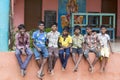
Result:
<point x="59" y="43"/>
<point x="70" y="42"/>
<point x="36" y="46"/>
<point x="109" y="43"/>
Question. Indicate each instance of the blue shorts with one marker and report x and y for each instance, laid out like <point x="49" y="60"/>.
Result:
<point x="43" y="53"/>
<point x="77" y="50"/>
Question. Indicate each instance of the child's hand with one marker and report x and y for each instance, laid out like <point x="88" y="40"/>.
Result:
<point x="39" y="49"/>
<point x="23" y="51"/>
<point x="61" y="48"/>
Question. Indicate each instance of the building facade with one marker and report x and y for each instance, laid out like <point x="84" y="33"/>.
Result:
<point x="29" y="12"/>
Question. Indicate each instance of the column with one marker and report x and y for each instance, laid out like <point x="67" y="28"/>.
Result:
<point x="4" y="24"/>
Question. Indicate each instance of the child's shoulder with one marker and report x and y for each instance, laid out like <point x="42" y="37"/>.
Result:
<point x="107" y="35"/>
<point x="36" y="31"/>
<point x="81" y="35"/>
<point x="69" y="36"/>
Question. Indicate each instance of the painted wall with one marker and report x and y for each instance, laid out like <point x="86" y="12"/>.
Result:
<point x="118" y="20"/>
<point x="9" y="62"/>
<point x="64" y="16"/>
<point x="93" y="5"/>
<point x="4" y="24"/>
<point x="18" y="12"/>
<point x="49" y="5"/>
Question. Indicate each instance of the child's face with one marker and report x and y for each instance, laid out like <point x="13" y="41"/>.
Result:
<point x="103" y="30"/>
<point x="77" y="31"/>
<point x="41" y="27"/>
<point x="88" y="30"/>
<point x="65" y="32"/>
<point x="22" y="31"/>
<point x="54" y="27"/>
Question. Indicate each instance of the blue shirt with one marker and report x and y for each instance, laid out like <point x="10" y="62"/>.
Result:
<point x="39" y="38"/>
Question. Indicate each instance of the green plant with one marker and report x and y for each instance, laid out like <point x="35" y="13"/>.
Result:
<point x="31" y="40"/>
<point x="47" y="30"/>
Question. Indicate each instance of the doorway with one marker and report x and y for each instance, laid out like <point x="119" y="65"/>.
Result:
<point x="109" y="6"/>
<point x="33" y="13"/>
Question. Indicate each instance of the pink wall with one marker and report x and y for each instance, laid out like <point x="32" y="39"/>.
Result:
<point x="49" y="5"/>
<point x="18" y="12"/>
<point x="93" y="5"/>
<point x="118" y="20"/>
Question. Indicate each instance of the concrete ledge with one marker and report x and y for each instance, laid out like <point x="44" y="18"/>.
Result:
<point x="9" y="70"/>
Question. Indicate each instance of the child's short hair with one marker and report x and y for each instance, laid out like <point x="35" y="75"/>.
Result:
<point x="89" y="26"/>
<point x="66" y="29"/>
<point x="21" y="26"/>
<point x="41" y="22"/>
<point x="103" y="26"/>
<point x="54" y="24"/>
<point x="77" y="27"/>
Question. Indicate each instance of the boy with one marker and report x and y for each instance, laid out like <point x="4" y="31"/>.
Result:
<point x="22" y="41"/>
<point x="77" y="45"/>
<point x="91" y="45"/>
<point x="65" y="42"/>
<point x="40" y="50"/>
<point x="105" y="45"/>
<point x="52" y="37"/>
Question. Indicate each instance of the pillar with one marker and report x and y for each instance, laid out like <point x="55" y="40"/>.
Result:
<point x="4" y="24"/>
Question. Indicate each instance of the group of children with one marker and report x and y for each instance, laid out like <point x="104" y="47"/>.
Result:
<point x="60" y="46"/>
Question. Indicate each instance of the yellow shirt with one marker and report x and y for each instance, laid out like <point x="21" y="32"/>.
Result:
<point x="65" y="42"/>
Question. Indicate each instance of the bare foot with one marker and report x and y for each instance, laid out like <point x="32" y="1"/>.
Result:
<point x="75" y="69"/>
<point x="52" y="72"/>
<point x="23" y="73"/>
<point x="101" y="70"/>
<point x="63" y="69"/>
<point x="49" y="71"/>
<point x="91" y="69"/>
<point x="40" y="75"/>
<point x="104" y="69"/>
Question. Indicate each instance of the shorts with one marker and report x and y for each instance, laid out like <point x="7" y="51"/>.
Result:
<point x="43" y="53"/>
<point x="94" y="50"/>
<point x="105" y="52"/>
<point x="52" y="50"/>
<point x="77" y="50"/>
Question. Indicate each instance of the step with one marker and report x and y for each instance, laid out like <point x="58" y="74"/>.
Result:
<point x="9" y="69"/>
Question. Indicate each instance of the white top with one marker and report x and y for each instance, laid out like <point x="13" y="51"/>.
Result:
<point x="103" y="39"/>
<point x="53" y="39"/>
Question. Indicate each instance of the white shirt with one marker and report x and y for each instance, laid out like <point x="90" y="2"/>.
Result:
<point x="53" y="39"/>
<point x="103" y="39"/>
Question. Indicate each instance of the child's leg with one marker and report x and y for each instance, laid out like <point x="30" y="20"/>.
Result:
<point x="107" y="53"/>
<point x="77" y="64"/>
<point x="50" y="59"/>
<point x="61" y="55"/>
<point x="80" y="54"/>
<point x="86" y="52"/>
<point x="38" y="57"/>
<point x="73" y="55"/>
<point x="67" y="53"/>
<point x="97" y="56"/>
<point x="106" y="61"/>
<point x="41" y="74"/>
<point x="45" y="56"/>
<point x="55" y="57"/>
<point x="102" y="63"/>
